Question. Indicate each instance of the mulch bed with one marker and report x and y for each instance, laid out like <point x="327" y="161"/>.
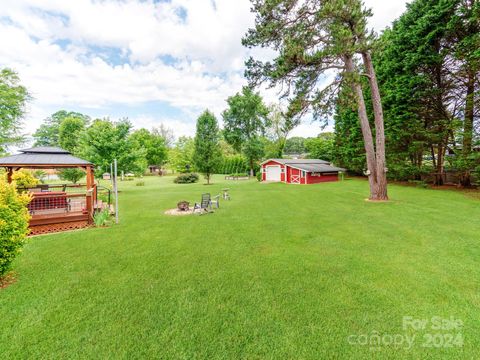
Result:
<point x="7" y="280"/>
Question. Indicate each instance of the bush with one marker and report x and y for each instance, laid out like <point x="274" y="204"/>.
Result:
<point x="13" y="224"/>
<point x="405" y="171"/>
<point x="140" y="183"/>
<point x="186" y="178"/>
<point x="24" y="179"/>
<point x="419" y="184"/>
<point x="259" y="175"/>
<point x="101" y="218"/>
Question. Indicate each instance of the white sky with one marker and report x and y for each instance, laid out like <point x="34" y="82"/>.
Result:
<point x="154" y="62"/>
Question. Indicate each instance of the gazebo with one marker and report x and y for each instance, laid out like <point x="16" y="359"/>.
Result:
<point x="55" y="207"/>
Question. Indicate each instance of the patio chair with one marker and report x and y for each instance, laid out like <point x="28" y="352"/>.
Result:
<point x="226" y="195"/>
<point x="205" y="206"/>
<point x="215" y="201"/>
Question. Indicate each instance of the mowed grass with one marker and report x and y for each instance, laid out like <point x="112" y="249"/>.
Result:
<point x="279" y="272"/>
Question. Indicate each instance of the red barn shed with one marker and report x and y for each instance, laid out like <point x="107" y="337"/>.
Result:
<point x="299" y="171"/>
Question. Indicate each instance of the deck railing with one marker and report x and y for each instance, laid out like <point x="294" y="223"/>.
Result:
<point x="65" y="200"/>
<point x="57" y="202"/>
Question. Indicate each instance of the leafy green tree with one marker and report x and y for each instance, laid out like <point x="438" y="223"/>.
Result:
<point x="349" y="151"/>
<point x="295" y="145"/>
<point x="278" y="128"/>
<point x="207" y="156"/>
<point x="48" y="134"/>
<point x="14" y="219"/>
<point x="253" y="150"/>
<point x="13" y="99"/>
<point x="105" y="140"/>
<point x="245" y="122"/>
<point x="152" y="143"/>
<point x="180" y="157"/>
<point x="73" y="175"/>
<point x="321" y="147"/>
<point x="70" y="132"/>
<point x="271" y="148"/>
<point x="313" y="38"/>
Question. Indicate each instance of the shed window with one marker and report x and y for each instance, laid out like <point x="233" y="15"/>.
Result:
<point x="304" y="173"/>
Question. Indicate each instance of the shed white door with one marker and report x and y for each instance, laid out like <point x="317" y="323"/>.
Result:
<point x="273" y="173"/>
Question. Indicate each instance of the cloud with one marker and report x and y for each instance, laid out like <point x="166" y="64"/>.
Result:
<point x="96" y="56"/>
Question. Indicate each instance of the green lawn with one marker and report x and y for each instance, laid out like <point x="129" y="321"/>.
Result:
<point x="279" y="272"/>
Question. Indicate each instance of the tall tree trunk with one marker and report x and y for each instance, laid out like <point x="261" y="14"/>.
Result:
<point x="468" y="128"/>
<point x="440" y="164"/>
<point x="381" y="192"/>
<point x="365" y="126"/>
<point x="251" y="168"/>
<point x="281" y="146"/>
<point x="434" y="160"/>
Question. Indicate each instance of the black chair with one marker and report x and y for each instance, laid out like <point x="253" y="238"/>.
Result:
<point x="205" y="206"/>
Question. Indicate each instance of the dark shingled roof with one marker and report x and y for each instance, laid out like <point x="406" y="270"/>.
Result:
<point x="45" y="150"/>
<point x="43" y="155"/>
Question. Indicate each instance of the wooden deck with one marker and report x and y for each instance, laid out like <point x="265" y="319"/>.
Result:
<point x="57" y="218"/>
<point x="50" y="223"/>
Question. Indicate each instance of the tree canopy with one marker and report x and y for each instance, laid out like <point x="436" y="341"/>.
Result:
<point x="207" y="156"/>
<point x="48" y="134"/>
<point x="105" y="140"/>
<point x="13" y="100"/>
<point x="153" y="144"/>
<point x="70" y="132"/>
<point x="245" y="121"/>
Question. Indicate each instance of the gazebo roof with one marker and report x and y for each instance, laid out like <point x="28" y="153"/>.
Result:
<point x="45" y="150"/>
<point x="43" y="156"/>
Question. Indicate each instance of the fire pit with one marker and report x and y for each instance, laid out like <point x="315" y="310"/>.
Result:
<point x="183" y="206"/>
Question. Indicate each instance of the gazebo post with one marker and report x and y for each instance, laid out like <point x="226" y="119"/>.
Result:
<point x="9" y="174"/>
<point x="90" y="191"/>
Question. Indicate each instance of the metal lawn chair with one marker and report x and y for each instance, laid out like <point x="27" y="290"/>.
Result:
<point x="226" y="195"/>
<point x="215" y="201"/>
<point x="205" y="206"/>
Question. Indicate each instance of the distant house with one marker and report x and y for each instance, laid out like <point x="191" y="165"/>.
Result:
<point x="154" y="169"/>
<point x="299" y="171"/>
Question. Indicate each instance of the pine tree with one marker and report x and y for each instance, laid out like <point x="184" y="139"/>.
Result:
<point x="315" y="38"/>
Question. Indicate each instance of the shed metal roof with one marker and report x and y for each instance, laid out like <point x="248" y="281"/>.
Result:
<point x="316" y="168"/>
<point x="43" y="156"/>
<point x="298" y="161"/>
